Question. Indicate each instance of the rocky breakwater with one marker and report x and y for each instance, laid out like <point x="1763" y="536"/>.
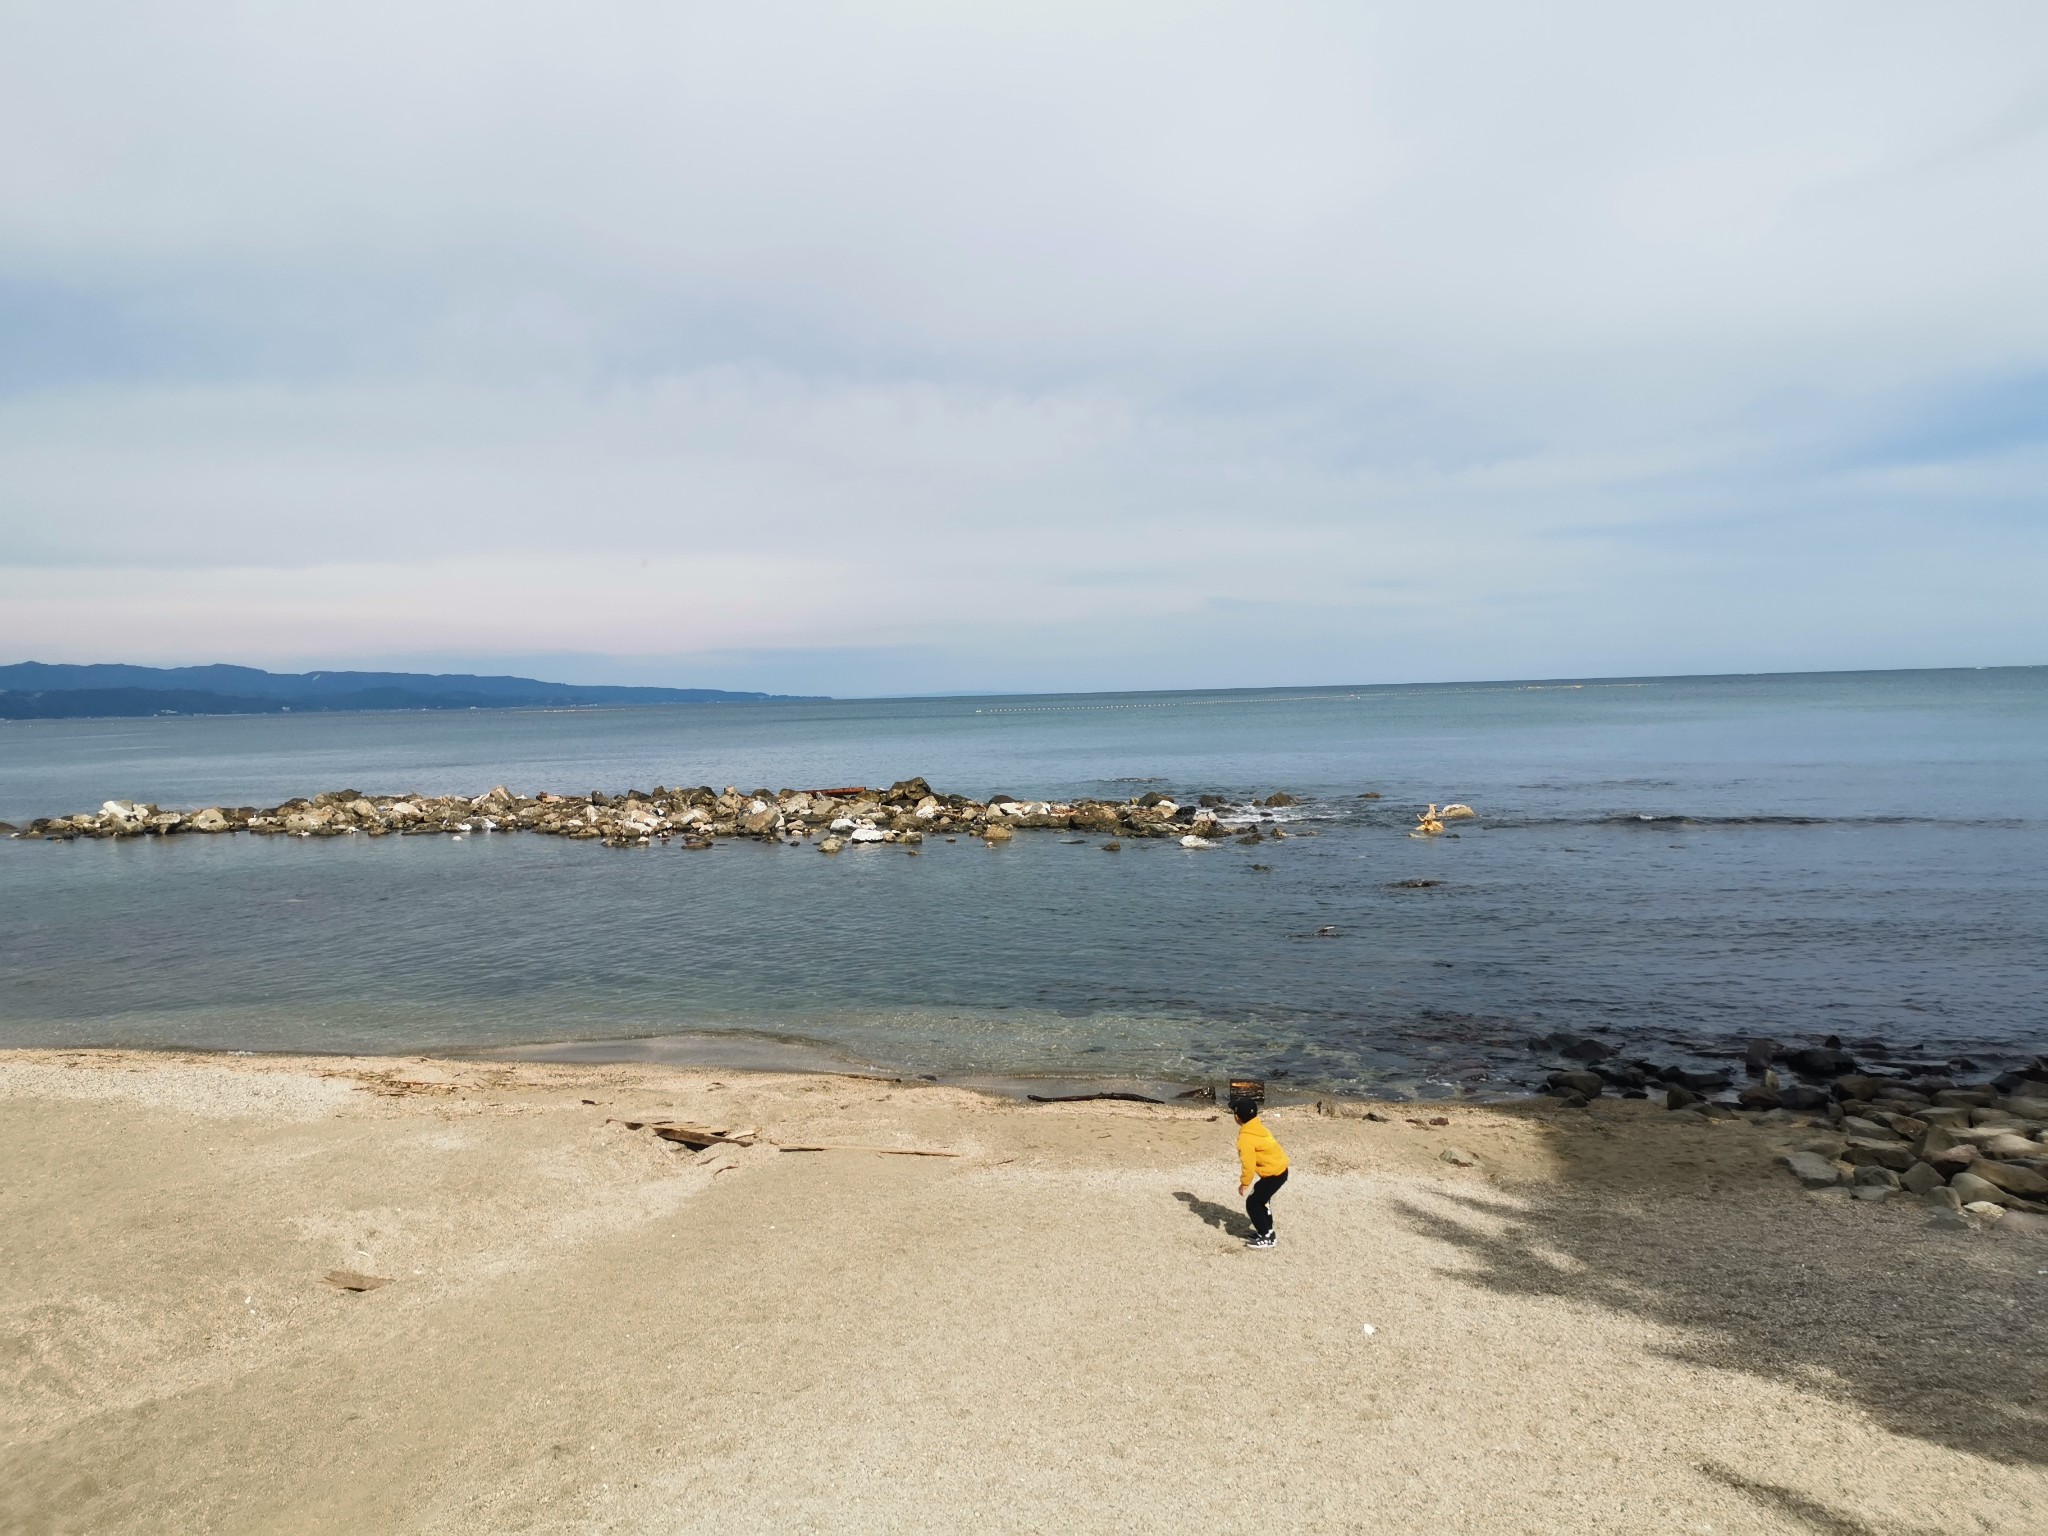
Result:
<point x="1977" y="1151"/>
<point x="903" y="814"/>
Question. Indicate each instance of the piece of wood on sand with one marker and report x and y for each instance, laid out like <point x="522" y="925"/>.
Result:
<point x="880" y="1151"/>
<point x="350" y="1280"/>
<point x="698" y="1137"/>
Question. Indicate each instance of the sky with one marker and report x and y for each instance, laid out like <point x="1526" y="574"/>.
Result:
<point x="915" y="348"/>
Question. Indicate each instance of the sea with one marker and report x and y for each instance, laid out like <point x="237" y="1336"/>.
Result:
<point x="1671" y="865"/>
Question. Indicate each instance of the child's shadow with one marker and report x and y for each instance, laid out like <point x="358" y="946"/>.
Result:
<point x="1221" y="1217"/>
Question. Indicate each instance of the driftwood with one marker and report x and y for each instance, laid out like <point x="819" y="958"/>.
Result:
<point x="1084" y="1098"/>
<point x="349" y="1280"/>
<point x="882" y="1151"/>
<point x="696" y="1137"/>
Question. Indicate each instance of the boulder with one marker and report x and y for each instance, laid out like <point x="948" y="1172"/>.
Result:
<point x="1799" y="1096"/>
<point x="1972" y="1190"/>
<point x="996" y="832"/>
<point x="1678" y="1097"/>
<point x="1812" y="1170"/>
<point x="2009" y="1144"/>
<point x="1873" y="1191"/>
<point x="1884" y="1178"/>
<point x="1757" y="1097"/>
<point x="1920" y="1178"/>
<point x="1950" y="1161"/>
<point x="1279" y="799"/>
<point x="212" y="819"/>
<point x="1698" y="1082"/>
<point x="1458" y="1157"/>
<point x="1942" y="1198"/>
<point x="1967" y="1098"/>
<point x="2010" y="1177"/>
<point x="1944" y="1115"/>
<point x="1586" y="1048"/>
<point x="1863" y="1151"/>
<point x="1758" y="1055"/>
<point x="830" y="845"/>
<point x="1586" y="1084"/>
<point x="1821" y="1061"/>
<point x="1858" y="1086"/>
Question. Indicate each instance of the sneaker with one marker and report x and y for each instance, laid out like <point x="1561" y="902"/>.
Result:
<point x="1265" y="1241"/>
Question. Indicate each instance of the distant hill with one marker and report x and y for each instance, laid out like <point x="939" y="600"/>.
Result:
<point x="34" y="690"/>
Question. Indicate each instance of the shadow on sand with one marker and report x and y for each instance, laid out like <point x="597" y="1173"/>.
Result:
<point x="1223" y="1218"/>
<point x="1938" y="1335"/>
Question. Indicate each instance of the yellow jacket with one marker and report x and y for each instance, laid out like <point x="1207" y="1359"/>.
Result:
<point x="1258" y="1151"/>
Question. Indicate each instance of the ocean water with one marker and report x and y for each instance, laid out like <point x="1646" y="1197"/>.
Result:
<point x="1673" y="865"/>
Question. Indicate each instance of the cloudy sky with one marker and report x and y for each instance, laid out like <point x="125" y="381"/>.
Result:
<point x="911" y="347"/>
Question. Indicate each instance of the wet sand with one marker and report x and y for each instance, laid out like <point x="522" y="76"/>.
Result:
<point x="1615" y="1321"/>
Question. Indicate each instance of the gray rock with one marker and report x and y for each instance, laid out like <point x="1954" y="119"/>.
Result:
<point x="1997" y="1119"/>
<point x="2010" y="1177"/>
<point x="1920" y="1178"/>
<point x="1799" y="1096"/>
<point x="1881" y="1178"/>
<point x="1458" y="1157"/>
<point x="1863" y="1151"/>
<point x="1968" y="1098"/>
<point x="1812" y="1170"/>
<point x="2009" y="1144"/>
<point x="1971" y="1190"/>
<point x="1872" y="1192"/>
<point x="1588" y="1084"/>
<point x="1941" y="1197"/>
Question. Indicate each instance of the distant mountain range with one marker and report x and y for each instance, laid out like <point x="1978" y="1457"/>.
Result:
<point x="34" y="690"/>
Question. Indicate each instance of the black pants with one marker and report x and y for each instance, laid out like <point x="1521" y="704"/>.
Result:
<point x="1263" y="1190"/>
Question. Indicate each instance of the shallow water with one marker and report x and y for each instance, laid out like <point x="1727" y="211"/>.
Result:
<point x="1674" y="864"/>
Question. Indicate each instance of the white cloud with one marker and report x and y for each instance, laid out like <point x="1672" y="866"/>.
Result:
<point x="1167" y="336"/>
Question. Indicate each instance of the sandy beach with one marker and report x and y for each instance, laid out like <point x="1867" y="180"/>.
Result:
<point x="1615" y="1319"/>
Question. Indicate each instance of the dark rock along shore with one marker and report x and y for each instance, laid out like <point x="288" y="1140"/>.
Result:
<point x="903" y="813"/>
<point x="1974" y="1150"/>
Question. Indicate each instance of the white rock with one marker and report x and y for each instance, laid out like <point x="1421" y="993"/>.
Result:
<point x="1192" y="841"/>
<point x="869" y="835"/>
<point x="844" y="824"/>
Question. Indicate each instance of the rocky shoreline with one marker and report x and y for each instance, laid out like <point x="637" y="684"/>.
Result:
<point x="905" y="814"/>
<point x="1975" y="1150"/>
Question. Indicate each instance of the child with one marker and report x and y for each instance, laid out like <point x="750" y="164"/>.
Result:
<point x="1265" y="1170"/>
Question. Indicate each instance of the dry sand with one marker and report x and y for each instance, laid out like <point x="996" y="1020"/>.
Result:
<point x="1615" y="1322"/>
